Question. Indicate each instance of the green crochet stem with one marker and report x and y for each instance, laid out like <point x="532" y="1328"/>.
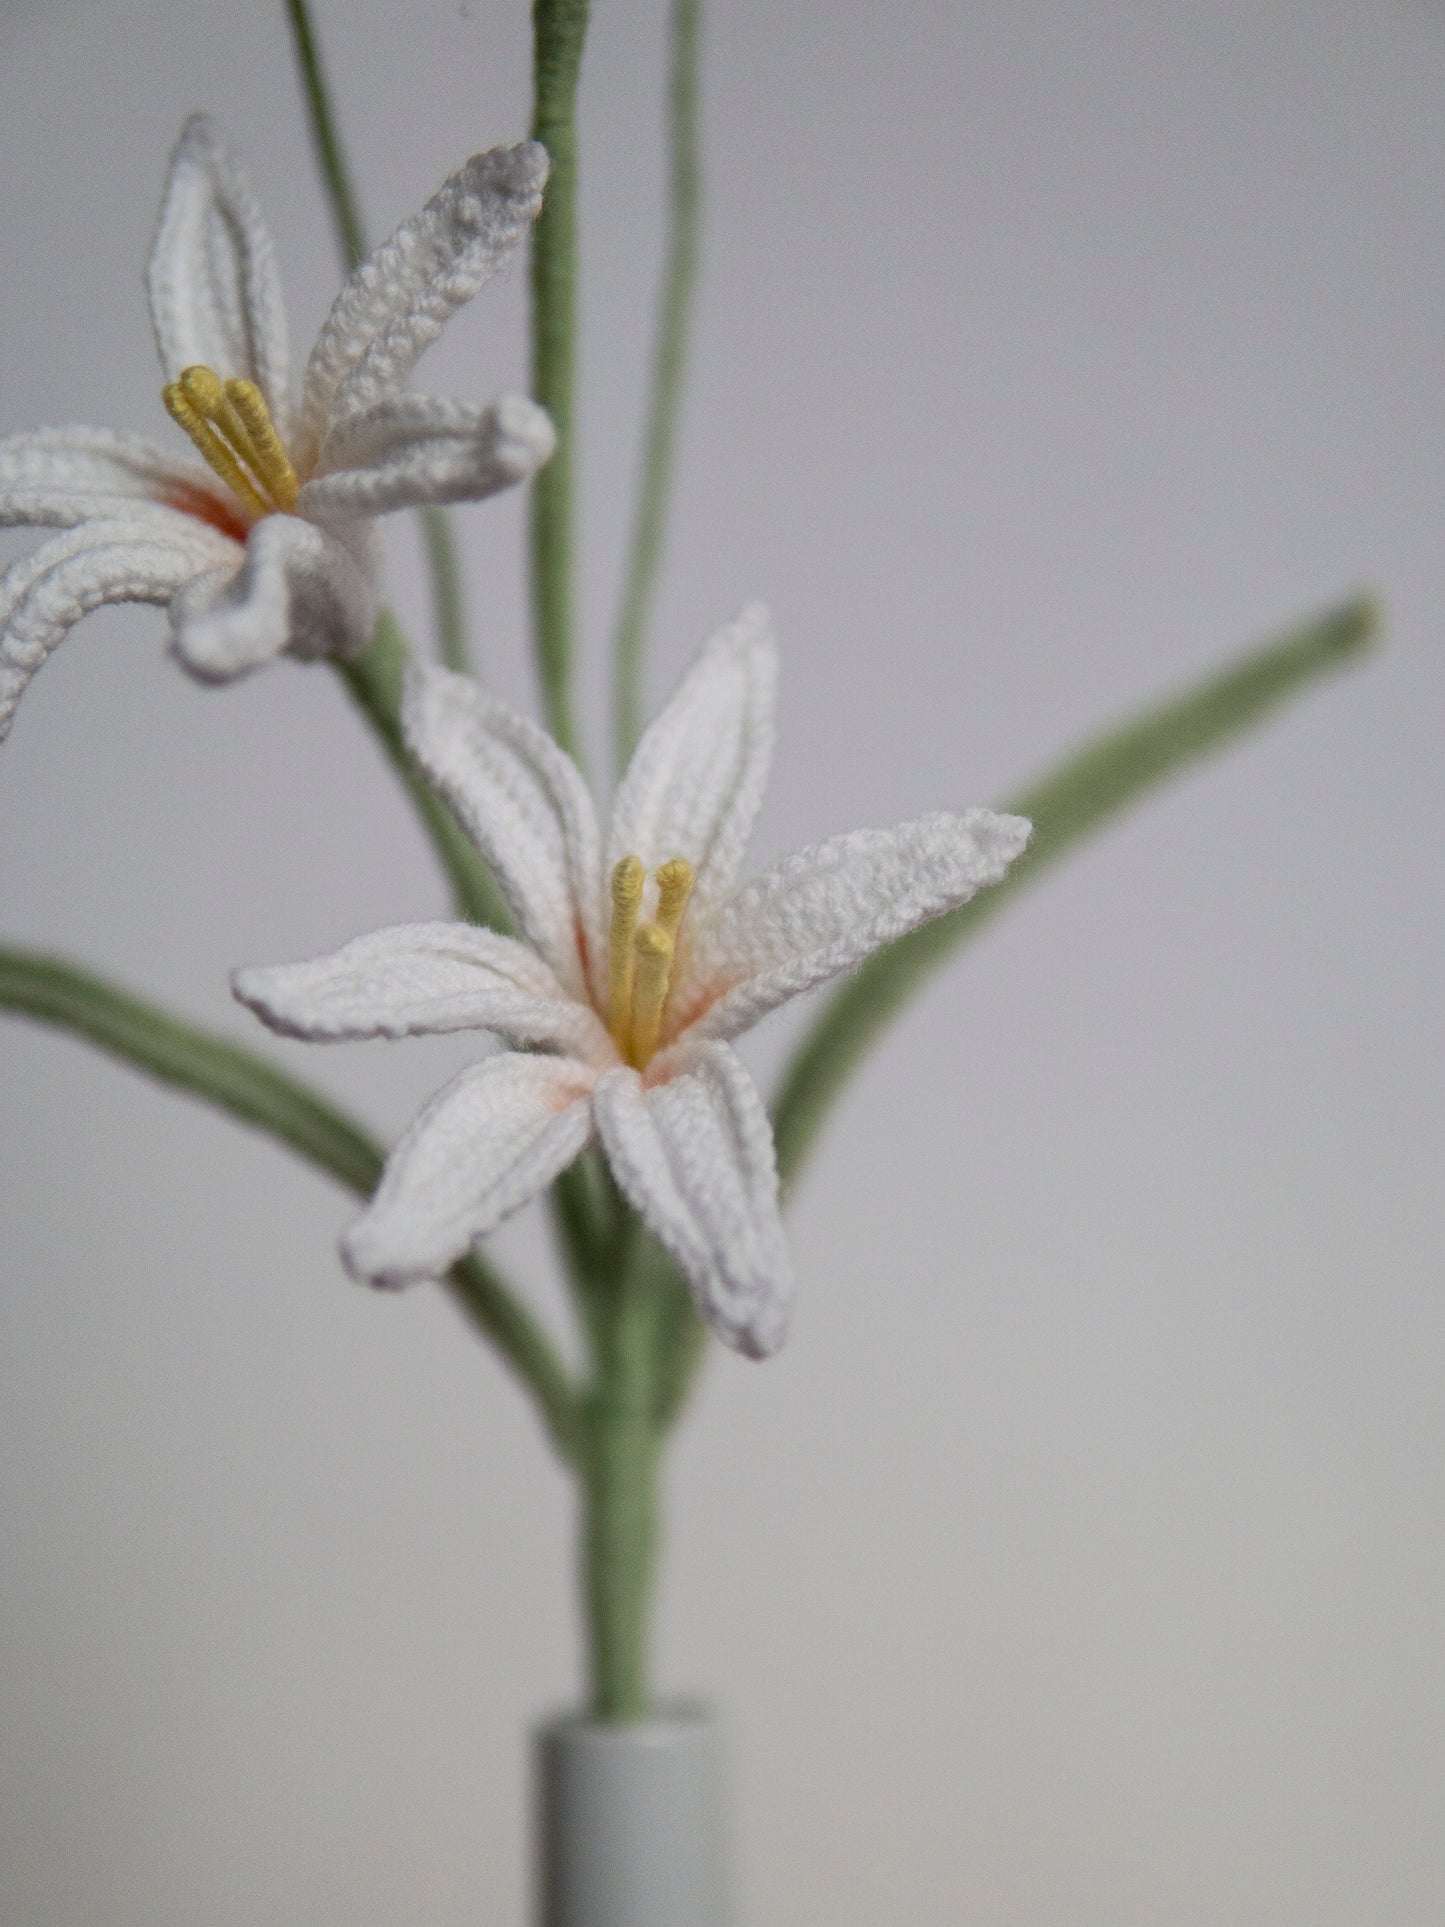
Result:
<point x="674" y="319"/>
<point x="448" y="610"/>
<point x="559" y="31"/>
<point x="247" y="1087"/>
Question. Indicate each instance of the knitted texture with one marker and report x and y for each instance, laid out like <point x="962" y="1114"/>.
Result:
<point x="485" y="1145"/>
<point x="397" y="301"/>
<point x="682" y="1124"/>
<point x="247" y="576"/>
<point x="214" y="286"/>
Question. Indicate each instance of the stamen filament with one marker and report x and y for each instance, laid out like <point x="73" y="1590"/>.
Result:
<point x="229" y="423"/>
<point x="654" y="965"/>
<point x="627" y="880"/>
<point x="264" y="450"/>
<point x="183" y="412"/>
<point x="674" y="887"/>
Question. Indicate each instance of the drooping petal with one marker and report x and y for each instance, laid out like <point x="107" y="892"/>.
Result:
<point x="135" y="559"/>
<point x="823" y="910"/>
<point x="695" y="1157"/>
<point x="61" y="477"/>
<point x="413" y="450"/>
<point x="482" y="1148"/>
<point x="395" y="304"/>
<point x="215" y="290"/>
<point x="424" y="978"/>
<point x="696" y="779"/>
<point x="298" y="588"/>
<point x="522" y="801"/>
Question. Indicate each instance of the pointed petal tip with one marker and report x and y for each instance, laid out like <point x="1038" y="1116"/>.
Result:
<point x="199" y="129"/>
<point x="761" y="1339"/>
<point x="519" y="171"/>
<point x="1005" y="837"/>
<point x="253" y="985"/>
<point x="374" y="1260"/>
<point x="530" y="438"/>
<point x="751" y="628"/>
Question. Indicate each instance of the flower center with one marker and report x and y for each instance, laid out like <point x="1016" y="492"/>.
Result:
<point x="229" y="423"/>
<point x="640" y="956"/>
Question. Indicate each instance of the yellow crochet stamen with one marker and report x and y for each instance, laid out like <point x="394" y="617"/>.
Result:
<point x="229" y="423"/>
<point x="674" y="887"/>
<point x="621" y="959"/>
<point x="270" y="459"/>
<point x="654" y="965"/>
<point x="184" y="414"/>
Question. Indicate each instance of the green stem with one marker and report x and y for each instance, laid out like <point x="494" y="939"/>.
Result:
<point x="1071" y="802"/>
<point x="449" y="618"/>
<point x="375" y="681"/>
<point x="559" y="29"/>
<point x="619" y="1469"/>
<point x="326" y="139"/>
<point x="245" y="1086"/>
<point x="448" y="607"/>
<point x="674" y="316"/>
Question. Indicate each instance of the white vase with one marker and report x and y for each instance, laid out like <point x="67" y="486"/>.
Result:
<point x="631" y="1829"/>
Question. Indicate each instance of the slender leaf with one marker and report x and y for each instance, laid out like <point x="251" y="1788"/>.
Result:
<point x="674" y="318"/>
<point x="1069" y="803"/>
<point x="247" y="1087"/>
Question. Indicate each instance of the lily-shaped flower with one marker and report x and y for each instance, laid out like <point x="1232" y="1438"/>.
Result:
<point x="266" y="545"/>
<point x="634" y="969"/>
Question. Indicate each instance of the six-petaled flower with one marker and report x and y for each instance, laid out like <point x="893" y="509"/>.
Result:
<point x="636" y="964"/>
<point x="267" y="544"/>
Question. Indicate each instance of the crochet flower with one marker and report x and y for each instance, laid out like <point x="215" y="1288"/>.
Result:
<point x="635" y="967"/>
<point x="266" y="544"/>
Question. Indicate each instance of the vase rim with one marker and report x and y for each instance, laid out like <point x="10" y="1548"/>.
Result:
<point x="669" y="1722"/>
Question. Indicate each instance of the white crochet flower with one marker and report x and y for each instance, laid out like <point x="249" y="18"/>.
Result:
<point x="267" y="544"/>
<point x="635" y="966"/>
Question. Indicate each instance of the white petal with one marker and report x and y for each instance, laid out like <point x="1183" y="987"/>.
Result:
<point x="42" y="595"/>
<point x="396" y="302"/>
<point x="412" y="450"/>
<point x="695" y="781"/>
<point x="822" y="911"/>
<point x="522" y="801"/>
<point x="215" y="291"/>
<point x="695" y="1157"/>
<point x="483" y="1147"/>
<point x="420" y="979"/>
<point x="60" y="477"/>
<point x="298" y="588"/>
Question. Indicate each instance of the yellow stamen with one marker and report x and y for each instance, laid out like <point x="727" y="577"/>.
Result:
<point x="654" y="965"/>
<point x="184" y="414"/>
<point x="229" y="423"/>
<point x="674" y="887"/>
<point x="270" y="462"/>
<point x="621" y="960"/>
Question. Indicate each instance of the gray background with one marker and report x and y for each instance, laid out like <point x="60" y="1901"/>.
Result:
<point x="1079" y="1564"/>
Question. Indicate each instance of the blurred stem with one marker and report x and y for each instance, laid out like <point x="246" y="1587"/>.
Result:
<point x="559" y="30"/>
<point x="449" y="618"/>
<point x="375" y="680"/>
<point x="1073" y="800"/>
<point x="448" y="609"/>
<point x="673" y="322"/>
<point x="325" y="139"/>
<point x="245" y="1086"/>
